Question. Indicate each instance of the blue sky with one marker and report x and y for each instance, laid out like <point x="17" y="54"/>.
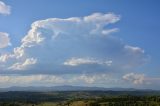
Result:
<point x="123" y="50"/>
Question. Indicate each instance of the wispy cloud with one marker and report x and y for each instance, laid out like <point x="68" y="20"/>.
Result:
<point x="23" y="65"/>
<point x="4" y="9"/>
<point x="4" y="40"/>
<point x="82" y="61"/>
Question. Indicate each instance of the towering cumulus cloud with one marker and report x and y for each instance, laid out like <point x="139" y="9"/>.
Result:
<point x="75" y="45"/>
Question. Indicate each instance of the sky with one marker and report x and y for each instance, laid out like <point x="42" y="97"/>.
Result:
<point x="103" y="43"/>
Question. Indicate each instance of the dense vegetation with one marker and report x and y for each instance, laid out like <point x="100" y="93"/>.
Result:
<point x="81" y="98"/>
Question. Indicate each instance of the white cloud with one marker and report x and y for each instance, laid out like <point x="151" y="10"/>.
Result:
<point x="107" y="32"/>
<point x="132" y="49"/>
<point x="70" y="27"/>
<point x="51" y="80"/>
<point x="12" y="80"/>
<point x="93" y="79"/>
<point x="134" y="78"/>
<point x="4" y="58"/>
<point x="83" y="61"/>
<point x="4" y="40"/>
<point x="135" y="56"/>
<point x="139" y="80"/>
<point x="24" y="65"/>
<point x="57" y="44"/>
<point x="4" y="9"/>
<point x="102" y="19"/>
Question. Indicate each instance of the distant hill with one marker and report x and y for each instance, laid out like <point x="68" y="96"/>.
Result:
<point x="67" y="88"/>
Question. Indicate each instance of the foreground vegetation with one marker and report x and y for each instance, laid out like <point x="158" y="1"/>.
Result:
<point x="81" y="98"/>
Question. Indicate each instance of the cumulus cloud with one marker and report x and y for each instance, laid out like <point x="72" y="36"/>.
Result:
<point x="134" y="78"/>
<point x="139" y="80"/>
<point x="4" y="9"/>
<point x="40" y="79"/>
<point x="59" y="44"/>
<point x="4" y="40"/>
<point x="93" y="79"/>
<point x="18" y="80"/>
